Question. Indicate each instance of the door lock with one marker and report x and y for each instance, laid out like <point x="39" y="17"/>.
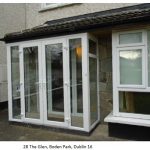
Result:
<point x="66" y="83"/>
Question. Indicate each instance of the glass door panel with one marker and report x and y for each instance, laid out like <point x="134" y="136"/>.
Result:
<point x="76" y="96"/>
<point x="31" y="82"/>
<point x="93" y="81"/>
<point x="54" y="82"/>
<point x="15" y="77"/>
<point x="93" y="89"/>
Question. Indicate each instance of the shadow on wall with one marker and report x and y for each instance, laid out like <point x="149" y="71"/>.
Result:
<point x="3" y="105"/>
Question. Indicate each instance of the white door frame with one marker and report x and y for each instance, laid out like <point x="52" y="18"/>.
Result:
<point x="31" y="120"/>
<point x="48" y="42"/>
<point x="42" y="80"/>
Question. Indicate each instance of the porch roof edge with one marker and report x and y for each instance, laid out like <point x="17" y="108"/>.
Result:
<point x="130" y="14"/>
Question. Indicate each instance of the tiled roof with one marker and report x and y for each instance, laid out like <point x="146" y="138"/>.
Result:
<point x="85" y="22"/>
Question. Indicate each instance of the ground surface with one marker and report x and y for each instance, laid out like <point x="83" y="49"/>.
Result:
<point x="9" y="132"/>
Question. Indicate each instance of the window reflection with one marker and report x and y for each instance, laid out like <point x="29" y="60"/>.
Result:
<point x="75" y="57"/>
<point x="54" y="82"/>
<point x="131" y="67"/>
<point x="31" y="82"/>
<point x="134" y="102"/>
<point x="15" y="76"/>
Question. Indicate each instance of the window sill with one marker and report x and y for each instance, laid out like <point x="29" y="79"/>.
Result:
<point x="131" y="121"/>
<point x="43" y="9"/>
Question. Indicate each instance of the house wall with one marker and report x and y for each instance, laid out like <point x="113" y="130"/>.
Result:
<point x="35" y="17"/>
<point x="12" y="18"/>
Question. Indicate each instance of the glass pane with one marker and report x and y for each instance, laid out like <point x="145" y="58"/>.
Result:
<point x="93" y="89"/>
<point x="130" y="38"/>
<point x="54" y="82"/>
<point x="148" y="45"/>
<point x="131" y="67"/>
<point x="31" y="82"/>
<point x="75" y="58"/>
<point x="15" y="77"/>
<point x="134" y="102"/>
<point x="92" y="47"/>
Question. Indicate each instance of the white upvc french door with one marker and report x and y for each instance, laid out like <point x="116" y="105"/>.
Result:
<point x="63" y="81"/>
<point x="50" y="85"/>
<point x="55" y="82"/>
<point x="31" y="83"/>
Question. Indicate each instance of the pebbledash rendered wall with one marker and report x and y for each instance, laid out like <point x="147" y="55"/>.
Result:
<point x="34" y="15"/>
<point x="12" y="18"/>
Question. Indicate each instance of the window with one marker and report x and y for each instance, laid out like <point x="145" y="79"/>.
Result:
<point x="131" y="71"/>
<point x="128" y="38"/>
<point x="93" y="79"/>
<point x="130" y="66"/>
<point x="134" y="102"/>
<point x="130" y="51"/>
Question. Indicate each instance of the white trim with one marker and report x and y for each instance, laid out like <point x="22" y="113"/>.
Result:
<point x="72" y="36"/>
<point x="9" y="83"/>
<point x="124" y="120"/>
<point x="114" y="75"/>
<point x="134" y="115"/>
<point x="53" y="5"/>
<point x="85" y="87"/>
<point x="94" y="124"/>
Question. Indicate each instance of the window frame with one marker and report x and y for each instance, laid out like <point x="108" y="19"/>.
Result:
<point x="143" y="85"/>
<point x="131" y="44"/>
<point x="116" y="47"/>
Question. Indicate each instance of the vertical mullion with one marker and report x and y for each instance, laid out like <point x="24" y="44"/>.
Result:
<point x="68" y="81"/>
<point x="9" y="82"/>
<point x="44" y="97"/>
<point x="85" y="86"/>
<point x="21" y="58"/>
<point x="65" y="80"/>
<point x="40" y="59"/>
<point x="116" y="77"/>
<point x="145" y="59"/>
